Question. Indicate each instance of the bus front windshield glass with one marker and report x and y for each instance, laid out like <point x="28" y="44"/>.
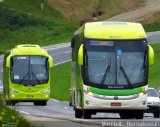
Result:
<point x="29" y="70"/>
<point x="115" y="64"/>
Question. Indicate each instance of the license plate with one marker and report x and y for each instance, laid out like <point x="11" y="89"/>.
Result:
<point x="116" y="104"/>
<point x="30" y="96"/>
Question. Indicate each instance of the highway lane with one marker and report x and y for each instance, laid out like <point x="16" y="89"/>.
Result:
<point x="61" y="110"/>
<point x="153" y="37"/>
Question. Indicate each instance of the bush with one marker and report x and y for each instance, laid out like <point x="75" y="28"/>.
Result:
<point x="13" y="20"/>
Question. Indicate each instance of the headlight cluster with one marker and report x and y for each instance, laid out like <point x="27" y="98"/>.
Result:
<point x="141" y="94"/>
<point x="46" y="91"/>
<point x="13" y="91"/>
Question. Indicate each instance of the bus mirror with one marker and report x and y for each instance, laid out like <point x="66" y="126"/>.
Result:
<point x="80" y="55"/>
<point x="50" y="60"/>
<point x="8" y="62"/>
<point x="150" y="55"/>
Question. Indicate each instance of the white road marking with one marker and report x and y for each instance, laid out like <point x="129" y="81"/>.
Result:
<point x="57" y="47"/>
<point x="58" y="100"/>
<point x="66" y="108"/>
<point x="61" y="62"/>
<point x="67" y="52"/>
<point x="1" y="83"/>
<point x="23" y="112"/>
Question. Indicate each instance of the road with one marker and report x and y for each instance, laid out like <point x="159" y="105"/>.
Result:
<point x="61" y="110"/>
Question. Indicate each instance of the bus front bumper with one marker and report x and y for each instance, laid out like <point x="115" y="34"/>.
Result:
<point x="29" y="96"/>
<point x="94" y="103"/>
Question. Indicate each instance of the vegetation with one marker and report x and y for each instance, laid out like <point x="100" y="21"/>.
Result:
<point x="79" y="9"/>
<point x="17" y="27"/>
<point x="9" y="117"/>
<point x="61" y="82"/>
<point x="154" y="26"/>
<point x="154" y="72"/>
<point x="25" y="22"/>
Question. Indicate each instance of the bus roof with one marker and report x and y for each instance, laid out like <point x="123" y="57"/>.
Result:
<point x="114" y="30"/>
<point x="28" y="49"/>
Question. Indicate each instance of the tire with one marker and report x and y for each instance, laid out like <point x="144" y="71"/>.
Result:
<point x="123" y="115"/>
<point x="139" y="115"/>
<point x="127" y="115"/>
<point x="156" y="114"/>
<point x="40" y="103"/>
<point x="86" y="114"/>
<point x="78" y="113"/>
<point x="7" y="102"/>
<point x="10" y="103"/>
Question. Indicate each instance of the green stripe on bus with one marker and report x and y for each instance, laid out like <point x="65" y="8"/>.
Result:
<point x="123" y="92"/>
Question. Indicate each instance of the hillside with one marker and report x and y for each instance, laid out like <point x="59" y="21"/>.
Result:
<point x="78" y="9"/>
<point x="147" y="13"/>
<point x="26" y="21"/>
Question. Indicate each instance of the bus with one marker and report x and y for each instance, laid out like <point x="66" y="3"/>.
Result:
<point x="109" y="69"/>
<point x="27" y="71"/>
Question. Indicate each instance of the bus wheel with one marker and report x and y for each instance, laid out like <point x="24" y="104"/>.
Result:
<point x="86" y="114"/>
<point x="7" y="102"/>
<point x="156" y="114"/>
<point x="139" y="115"/>
<point x="78" y="113"/>
<point x="12" y="103"/>
<point x="127" y="115"/>
<point x="40" y="103"/>
<point x="123" y="115"/>
<point x="43" y="103"/>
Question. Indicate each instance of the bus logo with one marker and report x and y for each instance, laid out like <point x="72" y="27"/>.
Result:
<point x="115" y="98"/>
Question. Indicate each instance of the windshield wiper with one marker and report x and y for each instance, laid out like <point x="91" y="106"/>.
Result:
<point x="24" y="77"/>
<point x="106" y="72"/>
<point x="125" y="75"/>
<point x="36" y="77"/>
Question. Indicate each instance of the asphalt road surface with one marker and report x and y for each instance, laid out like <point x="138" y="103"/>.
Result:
<point x="60" y="112"/>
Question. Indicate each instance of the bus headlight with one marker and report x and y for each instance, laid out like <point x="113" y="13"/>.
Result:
<point x="141" y="94"/>
<point x="46" y="91"/>
<point x="13" y="91"/>
<point x="90" y="94"/>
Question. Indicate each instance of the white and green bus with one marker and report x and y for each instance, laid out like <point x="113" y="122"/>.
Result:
<point x="110" y="65"/>
<point x="27" y="71"/>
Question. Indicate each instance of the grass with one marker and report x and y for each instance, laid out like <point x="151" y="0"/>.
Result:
<point x="9" y="117"/>
<point x="154" y="72"/>
<point x="32" y="8"/>
<point x="23" y="21"/>
<point x="21" y="25"/>
<point x="61" y="82"/>
<point x="155" y="26"/>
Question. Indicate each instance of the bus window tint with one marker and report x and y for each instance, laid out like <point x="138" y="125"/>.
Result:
<point x="39" y="67"/>
<point x="19" y="67"/>
<point x="29" y="70"/>
<point x="115" y="63"/>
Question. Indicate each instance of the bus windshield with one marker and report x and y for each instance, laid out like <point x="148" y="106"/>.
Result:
<point x="29" y="70"/>
<point x="115" y="64"/>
